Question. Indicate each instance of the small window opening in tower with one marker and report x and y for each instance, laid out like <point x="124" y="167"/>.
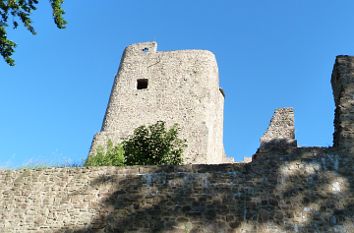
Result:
<point x="142" y="84"/>
<point x="145" y="50"/>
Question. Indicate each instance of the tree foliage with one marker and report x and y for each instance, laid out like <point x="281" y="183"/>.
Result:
<point x="154" y="145"/>
<point x="149" y="145"/>
<point x="13" y="12"/>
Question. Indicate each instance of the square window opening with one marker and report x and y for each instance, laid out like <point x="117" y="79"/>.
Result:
<point x="142" y="84"/>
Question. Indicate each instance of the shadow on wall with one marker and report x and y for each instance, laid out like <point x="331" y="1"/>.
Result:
<point x="309" y="190"/>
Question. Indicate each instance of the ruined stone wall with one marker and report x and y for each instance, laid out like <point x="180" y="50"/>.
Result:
<point x="182" y="87"/>
<point x="280" y="134"/>
<point x="343" y="91"/>
<point x="310" y="190"/>
<point x="284" y="188"/>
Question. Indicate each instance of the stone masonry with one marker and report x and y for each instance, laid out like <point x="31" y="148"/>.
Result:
<point x="284" y="189"/>
<point x="173" y="86"/>
<point x="280" y="134"/>
<point x="343" y="91"/>
<point x="309" y="190"/>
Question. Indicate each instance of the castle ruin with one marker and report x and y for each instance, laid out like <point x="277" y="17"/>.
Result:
<point x="175" y="87"/>
<point x="285" y="188"/>
<point x="280" y="135"/>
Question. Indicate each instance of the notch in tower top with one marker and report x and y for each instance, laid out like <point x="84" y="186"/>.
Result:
<point x="144" y="47"/>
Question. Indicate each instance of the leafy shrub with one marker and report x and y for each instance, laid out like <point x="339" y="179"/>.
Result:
<point x="154" y="145"/>
<point x="112" y="155"/>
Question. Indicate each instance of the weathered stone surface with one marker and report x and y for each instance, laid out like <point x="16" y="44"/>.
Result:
<point x="343" y="91"/>
<point x="177" y="87"/>
<point x="280" y="134"/>
<point x="310" y="190"/>
<point x="287" y="189"/>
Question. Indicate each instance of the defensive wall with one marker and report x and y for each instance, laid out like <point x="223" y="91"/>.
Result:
<point x="310" y="190"/>
<point x="284" y="188"/>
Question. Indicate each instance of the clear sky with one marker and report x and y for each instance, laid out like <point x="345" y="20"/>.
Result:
<point x="271" y="54"/>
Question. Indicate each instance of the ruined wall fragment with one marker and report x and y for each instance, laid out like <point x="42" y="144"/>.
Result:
<point x="343" y="90"/>
<point x="280" y="134"/>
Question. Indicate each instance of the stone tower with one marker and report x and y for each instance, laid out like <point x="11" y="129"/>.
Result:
<point x="343" y="90"/>
<point x="173" y="86"/>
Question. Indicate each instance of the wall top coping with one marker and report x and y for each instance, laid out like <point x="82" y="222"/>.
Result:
<point x="136" y="170"/>
<point x="151" y="48"/>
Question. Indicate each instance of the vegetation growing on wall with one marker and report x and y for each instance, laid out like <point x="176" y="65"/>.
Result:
<point x="111" y="155"/>
<point x="154" y="145"/>
<point x="149" y="145"/>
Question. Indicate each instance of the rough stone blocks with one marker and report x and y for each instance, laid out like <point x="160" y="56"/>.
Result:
<point x="343" y="91"/>
<point x="280" y="134"/>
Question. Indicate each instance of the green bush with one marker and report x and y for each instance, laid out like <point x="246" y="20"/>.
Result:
<point x="154" y="145"/>
<point x="112" y="155"/>
<point x="149" y="145"/>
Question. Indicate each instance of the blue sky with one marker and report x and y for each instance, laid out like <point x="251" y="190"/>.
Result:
<point x="271" y="54"/>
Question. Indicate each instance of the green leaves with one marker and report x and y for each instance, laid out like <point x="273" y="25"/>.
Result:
<point x="154" y="145"/>
<point x="58" y="13"/>
<point x="149" y="145"/>
<point x="20" y="11"/>
<point x="6" y="47"/>
<point x="112" y="155"/>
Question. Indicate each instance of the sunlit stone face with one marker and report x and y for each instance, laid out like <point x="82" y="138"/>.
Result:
<point x="299" y="167"/>
<point x="338" y="185"/>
